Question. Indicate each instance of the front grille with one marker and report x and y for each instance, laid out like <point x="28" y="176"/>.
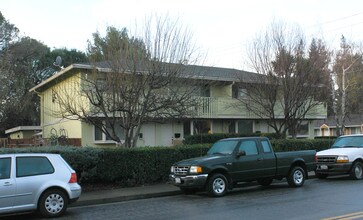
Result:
<point x="326" y="159"/>
<point x="181" y="170"/>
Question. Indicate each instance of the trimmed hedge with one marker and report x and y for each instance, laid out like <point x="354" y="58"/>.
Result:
<point x="146" y="165"/>
<point x="301" y="144"/>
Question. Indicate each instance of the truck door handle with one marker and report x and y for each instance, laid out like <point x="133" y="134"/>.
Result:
<point x="259" y="159"/>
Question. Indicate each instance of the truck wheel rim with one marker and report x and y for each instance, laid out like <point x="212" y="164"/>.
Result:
<point x="219" y="185"/>
<point x="358" y="171"/>
<point x="298" y="177"/>
<point x="54" y="203"/>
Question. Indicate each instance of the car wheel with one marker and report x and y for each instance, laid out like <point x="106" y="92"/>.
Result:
<point x="188" y="191"/>
<point x="356" y="172"/>
<point x="217" y="185"/>
<point x="53" y="203"/>
<point x="296" y="177"/>
<point x="265" y="181"/>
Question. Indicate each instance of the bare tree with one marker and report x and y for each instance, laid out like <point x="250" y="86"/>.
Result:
<point x="288" y="84"/>
<point x="347" y="74"/>
<point x="135" y="80"/>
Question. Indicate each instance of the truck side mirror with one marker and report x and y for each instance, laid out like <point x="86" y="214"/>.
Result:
<point x="241" y="153"/>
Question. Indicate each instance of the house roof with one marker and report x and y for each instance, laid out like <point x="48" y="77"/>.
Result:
<point x="355" y="120"/>
<point x="23" y="128"/>
<point x="193" y="71"/>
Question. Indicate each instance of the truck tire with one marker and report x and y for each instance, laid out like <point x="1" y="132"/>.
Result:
<point x="356" y="172"/>
<point x="217" y="185"/>
<point x="296" y="177"/>
<point x="265" y="181"/>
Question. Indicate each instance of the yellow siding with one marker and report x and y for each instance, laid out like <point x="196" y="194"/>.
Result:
<point x="52" y="121"/>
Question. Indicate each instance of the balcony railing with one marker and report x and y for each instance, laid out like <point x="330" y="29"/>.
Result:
<point x="210" y="107"/>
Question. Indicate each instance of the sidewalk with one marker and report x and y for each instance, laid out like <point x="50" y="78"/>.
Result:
<point x="132" y="193"/>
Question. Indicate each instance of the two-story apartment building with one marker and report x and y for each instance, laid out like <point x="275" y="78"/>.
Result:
<point x="217" y="112"/>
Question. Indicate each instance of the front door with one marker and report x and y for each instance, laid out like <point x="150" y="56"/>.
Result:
<point x="7" y="185"/>
<point x="250" y="165"/>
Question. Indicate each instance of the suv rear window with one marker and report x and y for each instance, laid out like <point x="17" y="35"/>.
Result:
<point x="31" y="166"/>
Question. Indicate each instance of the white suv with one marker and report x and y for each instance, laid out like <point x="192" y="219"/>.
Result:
<point x="344" y="157"/>
<point x="43" y="182"/>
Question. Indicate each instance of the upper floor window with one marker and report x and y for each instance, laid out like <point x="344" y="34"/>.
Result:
<point x="238" y="92"/>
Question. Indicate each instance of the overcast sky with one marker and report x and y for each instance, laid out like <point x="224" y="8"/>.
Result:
<point x="221" y="28"/>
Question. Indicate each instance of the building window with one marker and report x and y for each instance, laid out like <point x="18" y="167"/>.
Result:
<point x="186" y="128"/>
<point x="202" y="127"/>
<point x="238" y="92"/>
<point x="303" y="129"/>
<point x="245" y="127"/>
<point x="100" y="136"/>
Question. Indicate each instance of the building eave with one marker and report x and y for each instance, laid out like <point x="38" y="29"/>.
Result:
<point x="59" y="74"/>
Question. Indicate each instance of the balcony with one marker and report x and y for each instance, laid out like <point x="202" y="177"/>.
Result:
<point x="210" y="107"/>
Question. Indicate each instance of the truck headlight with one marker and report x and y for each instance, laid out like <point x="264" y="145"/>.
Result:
<point x="172" y="169"/>
<point x="342" y="159"/>
<point x="195" y="169"/>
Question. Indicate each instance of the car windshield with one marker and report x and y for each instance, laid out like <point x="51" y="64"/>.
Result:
<point x="223" y="147"/>
<point x="350" y="141"/>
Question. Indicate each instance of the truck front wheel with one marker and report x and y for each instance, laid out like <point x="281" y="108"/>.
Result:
<point x="296" y="177"/>
<point x="357" y="171"/>
<point x="217" y="185"/>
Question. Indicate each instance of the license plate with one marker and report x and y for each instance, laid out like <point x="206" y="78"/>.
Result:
<point x="323" y="167"/>
<point x="177" y="180"/>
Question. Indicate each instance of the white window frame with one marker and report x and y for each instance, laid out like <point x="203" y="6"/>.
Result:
<point x="103" y="141"/>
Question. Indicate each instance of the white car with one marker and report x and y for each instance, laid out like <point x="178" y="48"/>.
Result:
<point x="43" y="182"/>
<point x="344" y="157"/>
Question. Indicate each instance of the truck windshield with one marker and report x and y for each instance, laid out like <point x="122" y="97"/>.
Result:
<point x="223" y="147"/>
<point x="350" y="141"/>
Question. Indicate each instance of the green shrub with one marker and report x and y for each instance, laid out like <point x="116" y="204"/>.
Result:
<point x="146" y="165"/>
<point x="301" y="144"/>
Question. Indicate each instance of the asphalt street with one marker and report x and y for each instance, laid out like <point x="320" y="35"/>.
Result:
<point x="334" y="198"/>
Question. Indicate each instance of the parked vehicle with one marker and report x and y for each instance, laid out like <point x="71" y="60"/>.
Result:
<point x="43" y="182"/>
<point x="344" y="157"/>
<point x="234" y="160"/>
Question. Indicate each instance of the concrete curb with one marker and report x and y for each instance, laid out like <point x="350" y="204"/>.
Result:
<point x="123" y="198"/>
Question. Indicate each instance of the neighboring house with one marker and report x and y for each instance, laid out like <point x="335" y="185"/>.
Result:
<point x="215" y="114"/>
<point x="327" y="127"/>
<point x="22" y="136"/>
<point x="23" y="132"/>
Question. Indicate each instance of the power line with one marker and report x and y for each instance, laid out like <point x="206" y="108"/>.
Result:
<point x="335" y="20"/>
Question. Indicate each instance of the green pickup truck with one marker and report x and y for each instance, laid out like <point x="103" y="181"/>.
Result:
<point x="235" y="160"/>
